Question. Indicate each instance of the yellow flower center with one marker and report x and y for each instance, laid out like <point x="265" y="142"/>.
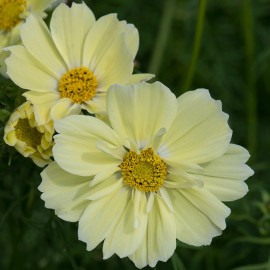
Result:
<point x="30" y="135"/>
<point x="78" y="84"/>
<point x="10" y="11"/>
<point x="145" y="171"/>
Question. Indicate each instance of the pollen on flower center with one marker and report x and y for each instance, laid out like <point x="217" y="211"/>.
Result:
<point x="78" y="84"/>
<point x="145" y="171"/>
<point x="30" y="135"/>
<point x="10" y="11"/>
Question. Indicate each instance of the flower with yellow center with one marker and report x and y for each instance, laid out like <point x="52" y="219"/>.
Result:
<point x="71" y="66"/>
<point x="12" y="14"/>
<point x="30" y="139"/>
<point x="158" y="173"/>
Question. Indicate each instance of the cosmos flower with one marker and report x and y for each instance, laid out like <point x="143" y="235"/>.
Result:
<point x="158" y="173"/>
<point x="12" y="14"/>
<point x="71" y="66"/>
<point x="30" y="139"/>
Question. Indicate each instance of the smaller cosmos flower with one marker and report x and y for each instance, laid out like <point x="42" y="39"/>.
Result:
<point x="30" y="139"/>
<point x="12" y="14"/>
<point x="71" y="66"/>
<point x="157" y="172"/>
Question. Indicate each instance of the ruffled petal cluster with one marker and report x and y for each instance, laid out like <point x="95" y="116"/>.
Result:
<point x="189" y="134"/>
<point x="28" y="137"/>
<point x="70" y="66"/>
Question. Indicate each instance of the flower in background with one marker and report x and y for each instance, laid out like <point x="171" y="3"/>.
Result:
<point x="71" y="67"/>
<point x="30" y="139"/>
<point x="12" y="14"/>
<point x="157" y="174"/>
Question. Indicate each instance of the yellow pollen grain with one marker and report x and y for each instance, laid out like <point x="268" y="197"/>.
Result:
<point x="10" y="11"/>
<point x="78" y="84"/>
<point x="145" y="171"/>
<point x="30" y="135"/>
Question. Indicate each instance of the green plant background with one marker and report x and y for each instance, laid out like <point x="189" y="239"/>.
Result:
<point x="223" y="46"/>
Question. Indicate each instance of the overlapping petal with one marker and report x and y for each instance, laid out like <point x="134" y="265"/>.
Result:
<point x="86" y="159"/>
<point x="199" y="133"/>
<point x="138" y="112"/>
<point x="225" y="176"/>
<point x="69" y="27"/>
<point x="64" y="192"/>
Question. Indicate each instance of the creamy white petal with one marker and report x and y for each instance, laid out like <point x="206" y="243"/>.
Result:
<point x="104" y="174"/>
<point x="37" y="6"/>
<point x="208" y="204"/>
<point x="104" y="188"/>
<point x="193" y="227"/>
<point x="161" y="241"/>
<point x="28" y="73"/>
<point x="101" y="216"/>
<point x="63" y="108"/>
<point x="138" y="111"/>
<point x="224" y="176"/>
<point x="38" y="41"/>
<point x="124" y="239"/>
<point x="137" y="78"/>
<point x="75" y="149"/>
<point x="64" y="192"/>
<point x="131" y="36"/>
<point x="96" y="105"/>
<point x="99" y="39"/>
<point x="115" y="66"/>
<point x="43" y="102"/>
<point x="200" y="132"/>
<point x="69" y="27"/>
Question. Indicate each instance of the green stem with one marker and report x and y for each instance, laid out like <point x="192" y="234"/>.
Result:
<point x="250" y="76"/>
<point x="196" y="45"/>
<point x="162" y="38"/>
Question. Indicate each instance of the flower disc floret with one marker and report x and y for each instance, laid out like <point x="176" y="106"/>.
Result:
<point x="78" y="84"/>
<point x="30" y="135"/>
<point x="145" y="172"/>
<point x="10" y="11"/>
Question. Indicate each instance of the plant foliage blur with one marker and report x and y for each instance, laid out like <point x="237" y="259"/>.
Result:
<point x="223" y="46"/>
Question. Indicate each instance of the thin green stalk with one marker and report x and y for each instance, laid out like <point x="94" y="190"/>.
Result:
<point x="196" y="45"/>
<point x="162" y="37"/>
<point x="248" y="28"/>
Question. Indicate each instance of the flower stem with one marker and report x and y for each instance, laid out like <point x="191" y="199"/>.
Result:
<point x="196" y="45"/>
<point x="162" y="37"/>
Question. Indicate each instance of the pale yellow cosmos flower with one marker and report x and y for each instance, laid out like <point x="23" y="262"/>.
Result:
<point x="30" y="139"/>
<point x="71" y="66"/>
<point x="12" y="14"/>
<point x="157" y="174"/>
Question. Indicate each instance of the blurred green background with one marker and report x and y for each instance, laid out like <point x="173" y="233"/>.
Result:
<point x="223" y="46"/>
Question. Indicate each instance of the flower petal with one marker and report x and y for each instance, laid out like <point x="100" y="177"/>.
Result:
<point x="43" y="102"/>
<point x="27" y="72"/>
<point x="224" y="176"/>
<point x="199" y="133"/>
<point x="64" y="192"/>
<point x="208" y="204"/>
<point x="137" y="78"/>
<point x="132" y="37"/>
<point x="75" y="149"/>
<point x="38" y="41"/>
<point x="69" y="27"/>
<point x="160" y="242"/>
<point x="63" y="108"/>
<point x="193" y="227"/>
<point x="101" y="216"/>
<point x="137" y="112"/>
<point x="115" y="66"/>
<point x="124" y="239"/>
